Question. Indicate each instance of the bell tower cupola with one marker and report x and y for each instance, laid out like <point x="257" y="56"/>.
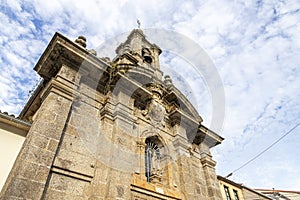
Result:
<point x="138" y="49"/>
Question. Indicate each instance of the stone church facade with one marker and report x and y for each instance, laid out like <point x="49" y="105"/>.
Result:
<point x="117" y="129"/>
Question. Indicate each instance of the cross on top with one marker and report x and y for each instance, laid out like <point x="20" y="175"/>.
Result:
<point x="139" y="23"/>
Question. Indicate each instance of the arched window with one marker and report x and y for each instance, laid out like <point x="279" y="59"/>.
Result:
<point x="152" y="159"/>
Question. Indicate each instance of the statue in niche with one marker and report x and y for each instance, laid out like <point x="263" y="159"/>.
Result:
<point x="155" y="162"/>
<point x="153" y="159"/>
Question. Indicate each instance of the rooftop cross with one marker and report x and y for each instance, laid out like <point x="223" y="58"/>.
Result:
<point x="139" y="23"/>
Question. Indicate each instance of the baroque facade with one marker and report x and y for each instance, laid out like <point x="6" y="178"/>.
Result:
<point x="117" y="129"/>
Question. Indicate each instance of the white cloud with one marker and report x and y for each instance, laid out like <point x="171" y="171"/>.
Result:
<point x="255" y="46"/>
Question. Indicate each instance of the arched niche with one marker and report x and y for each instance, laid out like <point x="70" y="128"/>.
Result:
<point x="156" y="159"/>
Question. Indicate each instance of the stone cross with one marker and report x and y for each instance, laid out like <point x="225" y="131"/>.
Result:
<point x="139" y="23"/>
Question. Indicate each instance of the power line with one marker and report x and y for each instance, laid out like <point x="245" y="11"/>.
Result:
<point x="269" y="147"/>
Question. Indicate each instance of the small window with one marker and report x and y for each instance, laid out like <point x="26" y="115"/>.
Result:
<point x="236" y="195"/>
<point x="227" y="193"/>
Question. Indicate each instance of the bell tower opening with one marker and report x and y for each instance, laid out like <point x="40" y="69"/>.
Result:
<point x="146" y="55"/>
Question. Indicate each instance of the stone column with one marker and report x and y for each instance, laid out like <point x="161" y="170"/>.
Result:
<point x="141" y="152"/>
<point x="208" y="164"/>
<point x="29" y="175"/>
<point x="186" y="179"/>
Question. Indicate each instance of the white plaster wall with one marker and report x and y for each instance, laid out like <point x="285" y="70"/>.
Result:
<point x="10" y="145"/>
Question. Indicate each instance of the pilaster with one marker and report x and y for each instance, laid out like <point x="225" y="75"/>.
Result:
<point x="29" y="175"/>
<point x="208" y="164"/>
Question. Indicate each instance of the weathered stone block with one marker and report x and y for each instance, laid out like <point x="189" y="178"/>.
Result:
<point x="39" y="141"/>
<point x="72" y="187"/>
<point x="25" y="189"/>
<point x="29" y="170"/>
<point x="52" y="145"/>
<point x="75" y="162"/>
<point x="42" y="173"/>
<point x="55" y="194"/>
<point x="39" y="156"/>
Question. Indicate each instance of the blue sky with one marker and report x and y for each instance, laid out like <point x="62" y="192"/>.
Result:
<point x="255" y="46"/>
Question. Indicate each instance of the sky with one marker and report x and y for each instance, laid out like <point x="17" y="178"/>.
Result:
<point x="254" y="45"/>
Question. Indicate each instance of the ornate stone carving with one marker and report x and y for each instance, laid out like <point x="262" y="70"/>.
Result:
<point x="156" y="113"/>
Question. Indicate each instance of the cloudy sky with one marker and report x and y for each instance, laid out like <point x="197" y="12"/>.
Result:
<point x="254" y="45"/>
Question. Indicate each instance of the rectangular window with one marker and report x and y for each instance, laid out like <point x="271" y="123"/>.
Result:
<point x="236" y="195"/>
<point x="227" y="193"/>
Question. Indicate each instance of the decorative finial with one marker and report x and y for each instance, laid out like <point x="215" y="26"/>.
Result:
<point x="139" y="23"/>
<point x="81" y="40"/>
<point x="168" y="81"/>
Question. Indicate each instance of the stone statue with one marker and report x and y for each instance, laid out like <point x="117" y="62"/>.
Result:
<point x="155" y="162"/>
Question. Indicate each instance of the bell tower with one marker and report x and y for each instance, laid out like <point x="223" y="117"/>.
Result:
<point x="145" y="54"/>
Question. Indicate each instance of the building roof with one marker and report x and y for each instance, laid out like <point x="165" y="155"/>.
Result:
<point x="282" y="194"/>
<point x="271" y="191"/>
<point x="241" y="186"/>
<point x="14" y="121"/>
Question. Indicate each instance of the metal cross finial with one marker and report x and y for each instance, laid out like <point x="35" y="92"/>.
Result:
<point x="139" y="23"/>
